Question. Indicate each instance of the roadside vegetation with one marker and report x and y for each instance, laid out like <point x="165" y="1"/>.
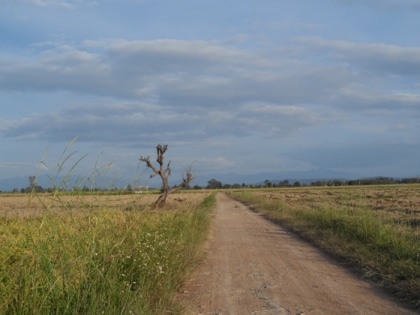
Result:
<point x="373" y="229"/>
<point x="98" y="254"/>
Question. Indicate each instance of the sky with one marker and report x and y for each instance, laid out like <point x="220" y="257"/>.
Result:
<point x="231" y="86"/>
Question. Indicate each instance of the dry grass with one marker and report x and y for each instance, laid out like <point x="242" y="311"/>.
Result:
<point x="374" y="229"/>
<point x="27" y="205"/>
<point x="399" y="204"/>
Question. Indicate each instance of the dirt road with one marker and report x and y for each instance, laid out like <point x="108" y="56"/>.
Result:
<point x="255" y="267"/>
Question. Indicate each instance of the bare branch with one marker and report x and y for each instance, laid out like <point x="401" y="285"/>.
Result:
<point x="168" y="169"/>
<point x="149" y="164"/>
<point x="164" y="174"/>
<point x="160" y="150"/>
<point x="185" y="181"/>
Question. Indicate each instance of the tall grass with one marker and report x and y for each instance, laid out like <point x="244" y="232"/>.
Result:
<point x="350" y="229"/>
<point x="76" y="259"/>
<point x="78" y="253"/>
<point x="106" y="261"/>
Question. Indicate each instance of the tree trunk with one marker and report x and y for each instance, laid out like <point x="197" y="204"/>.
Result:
<point x="164" y="174"/>
<point x="160" y="203"/>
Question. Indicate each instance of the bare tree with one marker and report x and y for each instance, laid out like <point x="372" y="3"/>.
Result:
<point x="164" y="174"/>
<point x="32" y="181"/>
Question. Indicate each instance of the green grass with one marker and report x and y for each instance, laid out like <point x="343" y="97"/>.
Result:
<point x="344" y="224"/>
<point x="99" y="260"/>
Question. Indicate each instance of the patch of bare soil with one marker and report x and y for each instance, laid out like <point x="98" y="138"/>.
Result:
<point x="254" y="266"/>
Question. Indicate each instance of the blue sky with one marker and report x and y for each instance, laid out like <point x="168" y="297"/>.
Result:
<point x="231" y="86"/>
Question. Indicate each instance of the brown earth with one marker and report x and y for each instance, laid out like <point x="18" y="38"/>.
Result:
<point x="253" y="266"/>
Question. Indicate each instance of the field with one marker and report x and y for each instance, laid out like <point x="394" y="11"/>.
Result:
<point x="98" y="254"/>
<point x="114" y="254"/>
<point x="373" y="229"/>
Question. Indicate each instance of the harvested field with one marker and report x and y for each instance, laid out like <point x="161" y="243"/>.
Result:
<point x="25" y="205"/>
<point x="399" y="204"/>
<point x="374" y="230"/>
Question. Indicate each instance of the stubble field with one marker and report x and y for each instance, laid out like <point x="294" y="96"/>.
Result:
<point x="397" y="203"/>
<point x="373" y="229"/>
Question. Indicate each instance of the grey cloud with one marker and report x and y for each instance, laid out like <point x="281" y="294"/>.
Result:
<point x="124" y="124"/>
<point x="194" y="89"/>
<point x="375" y="76"/>
<point x="297" y="87"/>
<point x="273" y="120"/>
<point x="102" y="123"/>
<point x="367" y="157"/>
<point x="63" y="68"/>
<point x="379" y="58"/>
<point x="198" y="72"/>
<point x="124" y="69"/>
<point x="175" y="52"/>
<point x="368" y="100"/>
<point x="172" y="72"/>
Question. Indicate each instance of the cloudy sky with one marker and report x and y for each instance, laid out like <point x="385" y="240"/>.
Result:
<point x="231" y="86"/>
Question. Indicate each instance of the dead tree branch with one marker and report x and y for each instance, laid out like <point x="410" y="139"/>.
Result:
<point x="164" y="174"/>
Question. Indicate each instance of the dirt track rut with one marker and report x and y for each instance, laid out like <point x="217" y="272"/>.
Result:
<point x="255" y="267"/>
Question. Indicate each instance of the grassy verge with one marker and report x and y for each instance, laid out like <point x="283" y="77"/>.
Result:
<point x="99" y="260"/>
<point x="345" y="224"/>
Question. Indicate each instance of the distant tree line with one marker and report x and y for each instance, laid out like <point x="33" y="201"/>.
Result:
<point x="368" y="181"/>
<point x="35" y="188"/>
<point x="216" y="184"/>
